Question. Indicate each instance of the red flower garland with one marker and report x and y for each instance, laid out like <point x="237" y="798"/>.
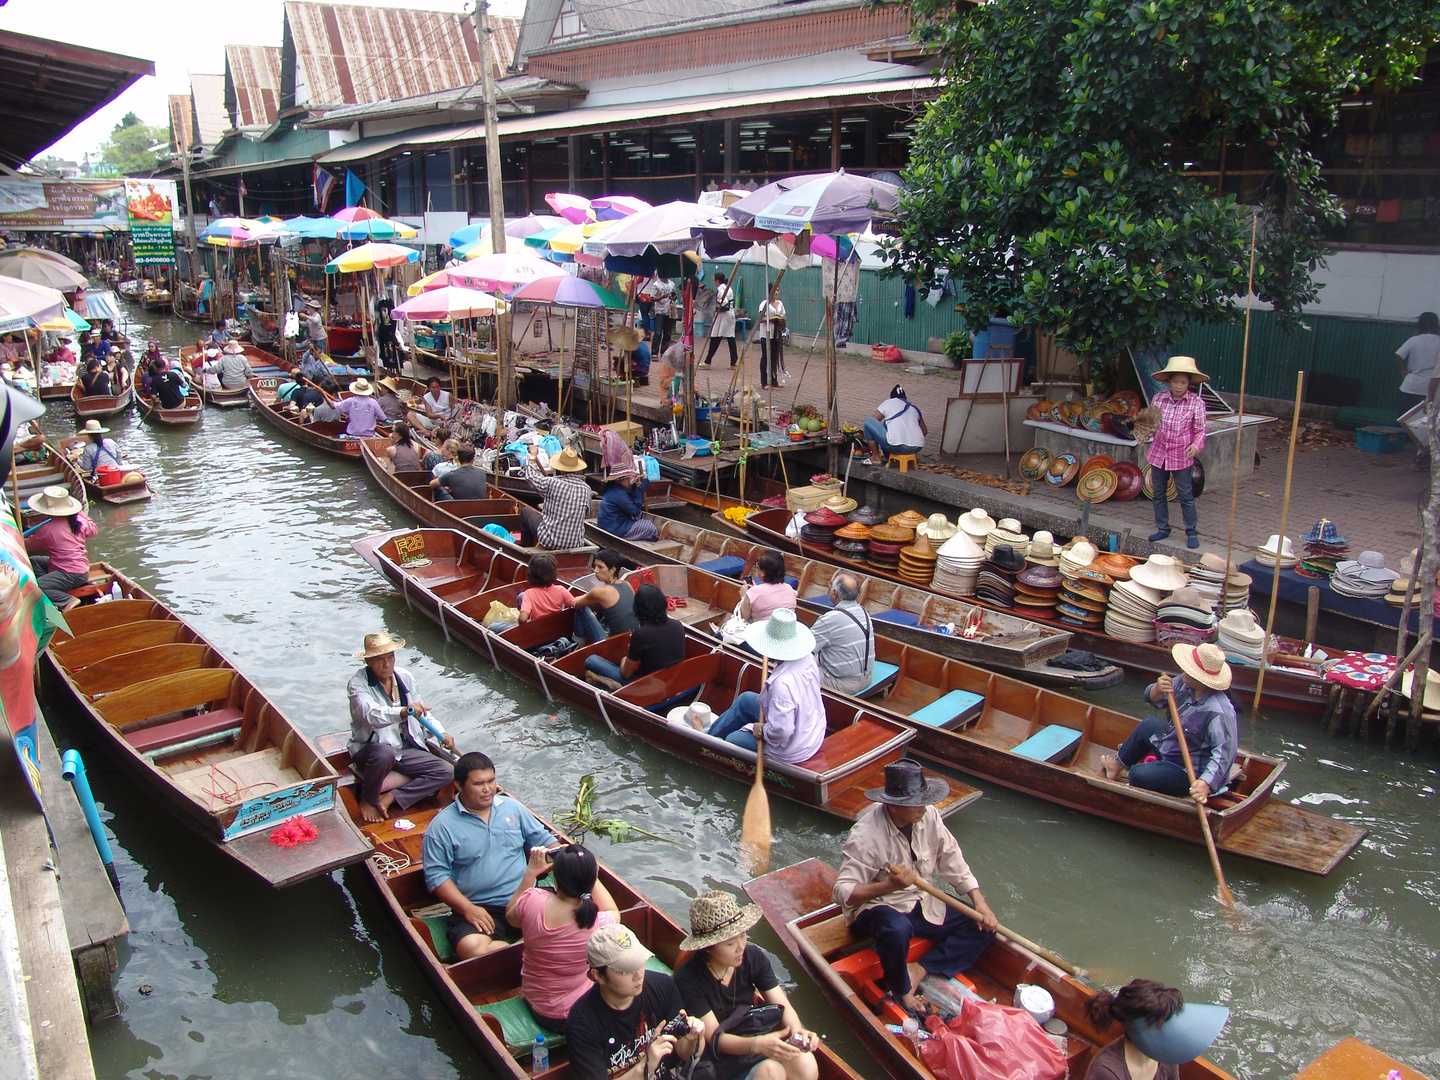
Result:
<point x="293" y="831"/>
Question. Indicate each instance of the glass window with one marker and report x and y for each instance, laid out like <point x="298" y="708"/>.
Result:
<point x="784" y="145"/>
<point x="568" y="24"/>
<point x="712" y="149"/>
<point x="408" y="185"/>
<point x="550" y="160"/>
<point x="589" y="157"/>
<point x="441" y="193"/>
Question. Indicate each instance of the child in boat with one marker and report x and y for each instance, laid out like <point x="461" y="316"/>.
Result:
<point x="543" y="597"/>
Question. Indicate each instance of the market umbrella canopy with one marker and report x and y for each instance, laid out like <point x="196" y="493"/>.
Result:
<point x="610" y="207"/>
<point x="39" y="253"/>
<point x="41" y="272"/>
<point x="519" y="229"/>
<point x="66" y="320"/>
<point x="449" y="302"/>
<point x="438" y="280"/>
<point x="573" y="208"/>
<point x="26" y="300"/>
<point x="503" y="271"/>
<point x="568" y="291"/>
<point x="369" y="257"/>
<point x="667" y="228"/>
<point x="837" y="202"/>
<point x="377" y="228"/>
<point x="310" y="228"/>
<point x="354" y="213"/>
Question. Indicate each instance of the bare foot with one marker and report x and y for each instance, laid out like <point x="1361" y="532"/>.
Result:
<point x="1110" y="767"/>
<point x="914" y="1003"/>
<point x="387" y="800"/>
<point x="917" y="974"/>
<point x="697" y="723"/>
<point x="371" y="813"/>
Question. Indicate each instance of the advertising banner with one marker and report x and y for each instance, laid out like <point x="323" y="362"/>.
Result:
<point x="151" y="208"/>
<point x="97" y="205"/>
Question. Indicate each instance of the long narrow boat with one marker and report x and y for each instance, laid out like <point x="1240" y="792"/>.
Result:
<point x="453" y="580"/>
<point x="117" y="493"/>
<point x="1285" y="686"/>
<point x="797" y="904"/>
<point x="1042" y="743"/>
<point x="261" y="362"/>
<point x="188" y="415"/>
<point x="198" y="735"/>
<point x="55" y="391"/>
<point x="483" y="994"/>
<point x="468" y="516"/>
<point x="1351" y="1059"/>
<point x="327" y="435"/>
<point x="1003" y="642"/>
<point x="99" y="406"/>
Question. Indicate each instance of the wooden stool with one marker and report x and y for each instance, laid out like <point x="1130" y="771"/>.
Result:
<point x="906" y="462"/>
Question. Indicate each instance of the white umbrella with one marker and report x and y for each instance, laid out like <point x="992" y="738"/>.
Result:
<point x="449" y="302"/>
<point x="27" y="252"/>
<point x="22" y="299"/>
<point x="41" y="272"/>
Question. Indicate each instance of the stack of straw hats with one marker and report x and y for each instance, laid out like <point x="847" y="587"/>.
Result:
<point x="996" y="583"/>
<point x="907" y="519"/>
<point x="1043" y="551"/>
<point x="1130" y="613"/>
<point x="957" y="568"/>
<point x="1241" y="636"/>
<point x="917" y="562"/>
<point x="1187" y="616"/>
<point x="820" y="525"/>
<point x="937" y="528"/>
<point x="1084" y="599"/>
<point x="1007" y="531"/>
<point x="866" y="515"/>
<point x="1161" y="573"/>
<point x="1114" y="565"/>
<point x="852" y="541"/>
<point x="977" y="523"/>
<point x="1277" y="548"/>
<point x="886" y="540"/>
<point x="1037" y="591"/>
<point x="1363" y="578"/>
<point x="1226" y="593"/>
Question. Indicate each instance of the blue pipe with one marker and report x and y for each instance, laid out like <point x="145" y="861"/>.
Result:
<point x="73" y="770"/>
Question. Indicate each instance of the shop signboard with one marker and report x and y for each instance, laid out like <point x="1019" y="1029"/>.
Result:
<point x="66" y="205"/>
<point x="151" y="208"/>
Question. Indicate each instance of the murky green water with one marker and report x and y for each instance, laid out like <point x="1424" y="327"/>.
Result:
<point x="250" y="541"/>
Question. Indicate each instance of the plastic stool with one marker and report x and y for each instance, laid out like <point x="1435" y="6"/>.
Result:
<point x="906" y="462"/>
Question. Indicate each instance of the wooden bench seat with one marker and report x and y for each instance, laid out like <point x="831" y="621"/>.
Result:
<point x="100" y="616"/>
<point x="847" y="745"/>
<point x="186" y="729"/>
<point x="233" y="780"/>
<point x="118" y="672"/>
<point x="80" y="652"/>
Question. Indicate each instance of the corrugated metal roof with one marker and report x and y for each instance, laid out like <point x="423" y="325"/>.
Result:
<point x="514" y="94"/>
<point x="608" y="17"/>
<point x="252" y="84"/>
<point x="349" y="55"/>
<point x="207" y="92"/>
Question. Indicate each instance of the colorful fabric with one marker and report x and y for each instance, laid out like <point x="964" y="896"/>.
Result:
<point x="1362" y="671"/>
<point x="1182" y="425"/>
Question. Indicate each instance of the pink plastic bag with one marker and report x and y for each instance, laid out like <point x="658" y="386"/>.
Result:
<point x="991" y="1042"/>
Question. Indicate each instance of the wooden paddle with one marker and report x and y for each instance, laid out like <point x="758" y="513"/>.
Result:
<point x="1004" y="931"/>
<point x="755" y="826"/>
<point x="1222" y="890"/>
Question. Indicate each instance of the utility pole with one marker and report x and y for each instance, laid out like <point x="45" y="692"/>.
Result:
<point x="189" y="200"/>
<point x="505" y="371"/>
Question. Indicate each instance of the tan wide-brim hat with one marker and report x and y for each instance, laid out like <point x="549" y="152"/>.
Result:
<point x="624" y="337"/>
<point x="716" y="917"/>
<point x="55" y="502"/>
<point x="1203" y="664"/>
<point x="937" y="527"/>
<point x="93" y="427"/>
<point x="977" y="523"/>
<point x="1160" y="572"/>
<point x="839" y="504"/>
<point x="1181" y="365"/>
<point x="234" y="348"/>
<point x="362" y="388"/>
<point x="568" y="461"/>
<point x="389" y="384"/>
<point x="380" y="644"/>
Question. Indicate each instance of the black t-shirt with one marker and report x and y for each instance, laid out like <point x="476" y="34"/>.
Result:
<point x="169" y="389"/>
<point x="657" y="647"/>
<point x="466" y="482"/>
<point x="702" y="993"/>
<point x="605" y="1043"/>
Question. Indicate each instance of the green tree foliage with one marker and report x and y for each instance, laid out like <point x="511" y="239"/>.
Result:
<point x="1048" y="177"/>
<point x="127" y="151"/>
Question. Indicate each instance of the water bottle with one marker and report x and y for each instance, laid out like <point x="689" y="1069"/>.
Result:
<point x="910" y="1028"/>
<point x="115" y="593"/>
<point x="540" y="1060"/>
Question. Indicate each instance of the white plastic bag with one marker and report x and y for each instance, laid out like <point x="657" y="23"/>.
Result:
<point x="292" y="324"/>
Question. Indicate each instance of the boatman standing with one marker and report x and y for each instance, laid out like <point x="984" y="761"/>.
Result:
<point x="891" y="846"/>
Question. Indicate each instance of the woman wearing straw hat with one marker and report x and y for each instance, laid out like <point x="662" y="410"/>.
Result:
<point x="1178" y="442"/>
<point x="1152" y="750"/>
<point x="57" y="547"/>
<point x="386" y="735"/>
<point x="97" y="451"/>
<point x="790" y="701"/>
<point x="718" y="986"/>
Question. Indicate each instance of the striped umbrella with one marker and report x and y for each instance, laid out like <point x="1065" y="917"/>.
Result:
<point x="568" y="291"/>
<point x="369" y="257"/>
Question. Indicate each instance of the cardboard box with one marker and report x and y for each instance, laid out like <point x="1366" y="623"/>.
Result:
<point x="628" y="430"/>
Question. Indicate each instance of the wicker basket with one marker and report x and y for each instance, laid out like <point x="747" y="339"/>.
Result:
<point x="1168" y="634"/>
<point x="807" y="498"/>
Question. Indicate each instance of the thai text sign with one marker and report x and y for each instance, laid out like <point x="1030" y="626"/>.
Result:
<point x="151" y="208"/>
<point x="97" y="204"/>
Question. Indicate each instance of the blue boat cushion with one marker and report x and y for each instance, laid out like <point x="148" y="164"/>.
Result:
<point x="899" y="618"/>
<point x="823" y="600"/>
<point x="725" y="565"/>
<point x="954" y="707"/>
<point x="882" y="676"/>
<point x="1053" y="742"/>
<point x="793" y="582"/>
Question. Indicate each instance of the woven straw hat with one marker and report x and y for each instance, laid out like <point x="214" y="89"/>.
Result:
<point x="568" y="461"/>
<point x="977" y="523"/>
<point x="716" y="917"/>
<point x="781" y="638"/>
<point x="1160" y="572"/>
<point x="381" y="644"/>
<point x="1182" y="365"/>
<point x="362" y="388"/>
<point x="1204" y="664"/>
<point x="624" y="337"/>
<point x="937" y="527"/>
<point x="909" y="519"/>
<point x="92" y="427"/>
<point x="55" y="501"/>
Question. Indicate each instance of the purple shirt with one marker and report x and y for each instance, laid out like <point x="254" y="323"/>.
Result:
<point x="361" y="415"/>
<point x="794" y="710"/>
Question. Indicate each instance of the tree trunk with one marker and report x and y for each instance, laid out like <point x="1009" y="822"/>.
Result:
<point x="1426" y="567"/>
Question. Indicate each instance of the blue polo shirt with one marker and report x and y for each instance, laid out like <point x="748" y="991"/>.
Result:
<point x="486" y="862"/>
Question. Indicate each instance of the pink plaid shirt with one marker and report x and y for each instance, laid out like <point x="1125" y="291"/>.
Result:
<point x="1182" y="425"/>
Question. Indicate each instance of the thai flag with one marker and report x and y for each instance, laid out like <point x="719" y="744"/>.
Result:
<point x="324" y="184"/>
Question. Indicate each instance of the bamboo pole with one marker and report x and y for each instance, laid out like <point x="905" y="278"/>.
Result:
<point x="1279" y="544"/>
<point x="1240" y="427"/>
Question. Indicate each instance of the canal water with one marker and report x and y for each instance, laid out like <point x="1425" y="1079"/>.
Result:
<point x="249" y="539"/>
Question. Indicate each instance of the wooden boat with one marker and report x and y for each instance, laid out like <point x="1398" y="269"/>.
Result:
<point x="1042" y="743"/>
<point x="453" y="579"/>
<point x="154" y="299"/>
<point x="117" y="492"/>
<point x="468" y="516"/>
<point x="796" y="902"/>
<point x="261" y="362"/>
<point x="201" y="737"/>
<point x="483" y="994"/>
<point x="99" y="406"/>
<point x="186" y="416"/>
<point x="1004" y="642"/>
<point x="31" y="478"/>
<point x="1351" y="1059"/>
<point x="327" y="435"/>
<point x="1286" y="686"/>
<point x="56" y="391"/>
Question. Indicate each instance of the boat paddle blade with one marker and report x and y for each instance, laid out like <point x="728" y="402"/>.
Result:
<point x="755" y="826"/>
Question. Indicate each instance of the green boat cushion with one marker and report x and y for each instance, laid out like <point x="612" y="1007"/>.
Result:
<point x="1051" y="743"/>
<point x="955" y="706"/>
<point x="883" y="674"/>
<point x="440" y="939"/>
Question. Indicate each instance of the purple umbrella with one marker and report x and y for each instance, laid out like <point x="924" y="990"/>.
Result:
<point x="825" y="203"/>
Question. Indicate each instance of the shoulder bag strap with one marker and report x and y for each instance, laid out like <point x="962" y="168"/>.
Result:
<point x="865" y="627"/>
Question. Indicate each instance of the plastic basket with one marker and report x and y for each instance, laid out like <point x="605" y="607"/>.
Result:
<point x="1378" y="439"/>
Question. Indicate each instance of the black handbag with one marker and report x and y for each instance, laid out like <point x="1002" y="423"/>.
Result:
<point x="755" y="1020"/>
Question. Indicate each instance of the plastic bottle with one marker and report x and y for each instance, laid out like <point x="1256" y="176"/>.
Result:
<point x="910" y="1028"/>
<point x="540" y="1060"/>
<point x="115" y="593"/>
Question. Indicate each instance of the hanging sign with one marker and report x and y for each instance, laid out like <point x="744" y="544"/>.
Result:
<point x="150" y="205"/>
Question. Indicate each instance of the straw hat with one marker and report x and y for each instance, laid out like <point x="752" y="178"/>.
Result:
<point x="1189" y="597"/>
<point x="1042" y="553"/>
<point x="839" y="504"/>
<point x="780" y="637"/>
<point x="1241" y="625"/>
<point x="624" y="337"/>
<point x="389" y="384"/>
<point x="1432" y="688"/>
<point x="381" y="644"/>
<point x="1098" y="484"/>
<point x="1204" y="664"/>
<point x="977" y="523"/>
<point x="961" y="546"/>
<point x="937" y="527"/>
<point x="234" y="348"/>
<point x="867" y="515"/>
<point x="907" y="785"/>
<point x="908" y="519"/>
<point x="92" y="427"/>
<point x="1082" y="553"/>
<point x="1116" y="565"/>
<point x="362" y="388"/>
<point x="567" y="461"/>
<point x="1181" y="365"/>
<point x="854" y="531"/>
<point x="716" y="917"/>
<point x="55" y="502"/>
<point x="1160" y="572"/>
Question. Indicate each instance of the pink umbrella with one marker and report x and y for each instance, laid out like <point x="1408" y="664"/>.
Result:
<point x="573" y="208"/>
<point x="530" y="224"/>
<point x="354" y="213"/>
<point x="504" y="271"/>
<point x="447" y="303"/>
<point x="610" y="207"/>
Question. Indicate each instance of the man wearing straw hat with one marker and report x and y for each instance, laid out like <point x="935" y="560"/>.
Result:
<point x="1152" y="750"/>
<point x="386" y="733"/>
<point x="360" y="411"/>
<point x="790" y="701"/>
<point x="560" y="521"/>
<point x="905" y="832"/>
